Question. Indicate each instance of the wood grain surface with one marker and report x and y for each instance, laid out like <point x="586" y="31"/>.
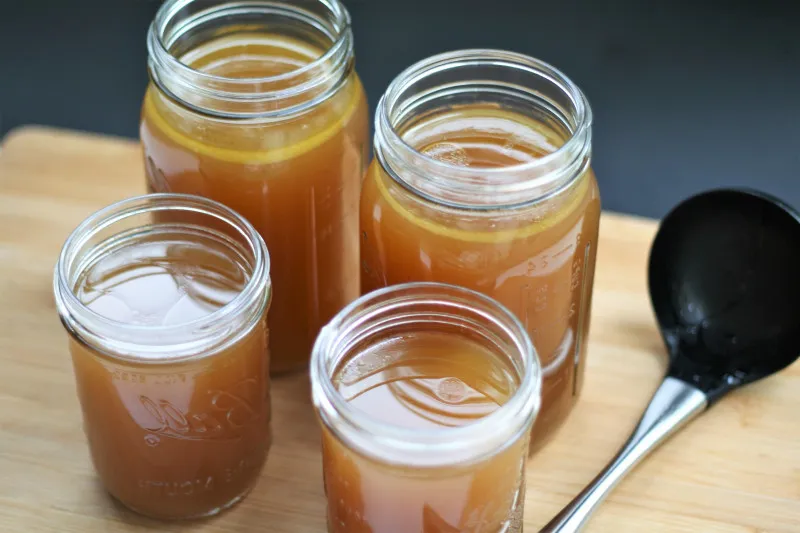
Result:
<point x="734" y="470"/>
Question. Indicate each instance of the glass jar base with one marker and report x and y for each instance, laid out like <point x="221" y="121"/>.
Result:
<point x="513" y="524"/>
<point x="198" y="516"/>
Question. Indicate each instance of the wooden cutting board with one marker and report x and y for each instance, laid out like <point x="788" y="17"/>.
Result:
<point x="735" y="470"/>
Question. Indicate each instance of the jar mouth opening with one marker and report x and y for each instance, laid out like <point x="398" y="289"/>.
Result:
<point x="180" y="338"/>
<point x="427" y="447"/>
<point x="511" y="60"/>
<point x="484" y="76"/>
<point x="168" y="28"/>
<point x="170" y="9"/>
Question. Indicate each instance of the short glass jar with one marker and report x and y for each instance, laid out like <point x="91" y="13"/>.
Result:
<point x="482" y="178"/>
<point x="165" y="299"/>
<point x="257" y="105"/>
<point x="426" y="394"/>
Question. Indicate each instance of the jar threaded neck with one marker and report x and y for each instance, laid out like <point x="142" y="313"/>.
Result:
<point x="483" y="76"/>
<point x="425" y="304"/>
<point x="181" y="25"/>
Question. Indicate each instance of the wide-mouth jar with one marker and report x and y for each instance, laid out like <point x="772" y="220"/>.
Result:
<point x="482" y="178"/>
<point x="257" y="105"/>
<point x="164" y="298"/>
<point x="426" y="393"/>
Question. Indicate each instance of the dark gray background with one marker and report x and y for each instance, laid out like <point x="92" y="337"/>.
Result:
<point x="687" y="95"/>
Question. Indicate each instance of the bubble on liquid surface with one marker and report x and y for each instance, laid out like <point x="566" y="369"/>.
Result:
<point x="365" y="365"/>
<point x="448" y="153"/>
<point x="451" y="390"/>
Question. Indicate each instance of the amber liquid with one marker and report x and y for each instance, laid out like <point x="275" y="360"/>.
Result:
<point x="173" y="439"/>
<point x="537" y="260"/>
<point x="425" y="380"/>
<point x="297" y="180"/>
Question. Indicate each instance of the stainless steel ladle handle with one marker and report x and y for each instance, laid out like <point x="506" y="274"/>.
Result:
<point x="673" y="405"/>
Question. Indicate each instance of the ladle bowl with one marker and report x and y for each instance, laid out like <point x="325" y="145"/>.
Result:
<point x="724" y="281"/>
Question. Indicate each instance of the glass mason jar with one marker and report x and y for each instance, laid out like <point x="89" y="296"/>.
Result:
<point x="482" y="178"/>
<point x="257" y="105"/>
<point x="426" y="394"/>
<point x="168" y="335"/>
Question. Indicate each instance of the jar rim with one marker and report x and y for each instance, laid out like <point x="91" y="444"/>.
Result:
<point x="450" y="445"/>
<point x="162" y="60"/>
<point x="75" y="312"/>
<point x="470" y="179"/>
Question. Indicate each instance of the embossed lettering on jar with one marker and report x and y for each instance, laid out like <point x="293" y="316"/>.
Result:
<point x="482" y="178"/>
<point x="168" y="336"/>
<point x="257" y="105"/>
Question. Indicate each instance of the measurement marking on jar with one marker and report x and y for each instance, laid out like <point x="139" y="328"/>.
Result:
<point x="204" y="484"/>
<point x="567" y="249"/>
<point x="152" y="379"/>
<point x="540" y="300"/>
<point x="177" y="488"/>
<point x="131" y="377"/>
<point x="535" y="301"/>
<point x="575" y="279"/>
<point x="581" y="322"/>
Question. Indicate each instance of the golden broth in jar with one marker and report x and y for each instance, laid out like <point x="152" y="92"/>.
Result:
<point x="274" y="124"/>
<point x="168" y="337"/>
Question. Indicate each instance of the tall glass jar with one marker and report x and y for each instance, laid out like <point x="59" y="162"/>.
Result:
<point x="482" y="178"/>
<point x="426" y="393"/>
<point x="257" y="105"/>
<point x="164" y="298"/>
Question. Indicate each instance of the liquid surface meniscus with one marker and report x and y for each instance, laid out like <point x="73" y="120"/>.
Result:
<point x="481" y="137"/>
<point x="424" y="380"/>
<point x="161" y="283"/>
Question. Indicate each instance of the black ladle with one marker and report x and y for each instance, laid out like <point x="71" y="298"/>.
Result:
<point x="724" y="280"/>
